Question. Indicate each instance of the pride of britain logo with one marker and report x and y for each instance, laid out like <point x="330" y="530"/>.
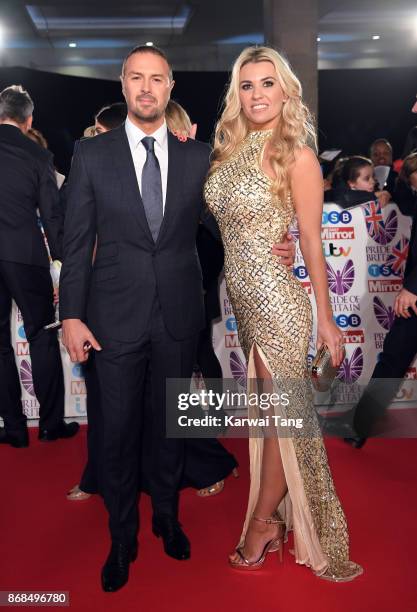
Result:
<point x="385" y="315"/>
<point x="380" y="230"/>
<point x="238" y="369"/>
<point x="341" y="281"/>
<point x="351" y="367"/>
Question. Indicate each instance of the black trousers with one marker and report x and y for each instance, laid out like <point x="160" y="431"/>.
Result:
<point x="121" y="375"/>
<point x="31" y="288"/>
<point x="206" y="461"/>
<point x="399" y="350"/>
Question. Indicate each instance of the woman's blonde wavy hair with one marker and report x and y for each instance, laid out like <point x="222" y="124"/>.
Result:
<point x="294" y="130"/>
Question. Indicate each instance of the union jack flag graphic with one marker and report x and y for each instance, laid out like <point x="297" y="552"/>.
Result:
<point x="398" y="256"/>
<point x="379" y="230"/>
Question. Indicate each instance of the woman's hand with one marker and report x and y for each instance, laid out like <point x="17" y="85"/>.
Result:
<point x="181" y="136"/>
<point x="328" y="333"/>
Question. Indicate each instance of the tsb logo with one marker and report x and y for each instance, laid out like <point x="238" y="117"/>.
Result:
<point x="375" y="270"/>
<point x="344" y="320"/>
<point x="334" y="217"/>
<point x="78" y="371"/>
<point x="231" y="324"/>
<point x="301" y="272"/>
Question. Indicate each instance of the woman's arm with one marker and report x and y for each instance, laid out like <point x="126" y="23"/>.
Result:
<point x="307" y="193"/>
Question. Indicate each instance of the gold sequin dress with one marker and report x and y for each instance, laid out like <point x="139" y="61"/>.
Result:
<point x="273" y="315"/>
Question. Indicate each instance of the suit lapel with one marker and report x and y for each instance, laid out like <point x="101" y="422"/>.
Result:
<point x="124" y="164"/>
<point x="176" y="163"/>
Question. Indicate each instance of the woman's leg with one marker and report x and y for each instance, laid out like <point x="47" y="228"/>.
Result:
<point x="273" y="485"/>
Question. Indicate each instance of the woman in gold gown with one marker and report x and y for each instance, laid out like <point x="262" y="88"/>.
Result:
<point x="262" y="175"/>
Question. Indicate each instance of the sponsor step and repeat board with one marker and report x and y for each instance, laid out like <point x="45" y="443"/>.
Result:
<point x="365" y="250"/>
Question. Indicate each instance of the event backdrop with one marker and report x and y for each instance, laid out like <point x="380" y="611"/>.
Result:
<point x="365" y="250"/>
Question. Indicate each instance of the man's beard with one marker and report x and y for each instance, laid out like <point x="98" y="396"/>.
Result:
<point x="157" y="114"/>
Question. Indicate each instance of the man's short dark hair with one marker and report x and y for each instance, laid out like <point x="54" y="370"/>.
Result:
<point x="148" y="49"/>
<point x="112" y="116"/>
<point x="15" y="104"/>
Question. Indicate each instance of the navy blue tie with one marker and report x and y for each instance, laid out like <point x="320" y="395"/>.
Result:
<point x="152" y="188"/>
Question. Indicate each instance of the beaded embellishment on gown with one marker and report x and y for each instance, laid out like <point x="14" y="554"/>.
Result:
<point x="274" y="317"/>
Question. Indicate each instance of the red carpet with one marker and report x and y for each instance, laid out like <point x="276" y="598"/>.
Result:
<point x="48" y="543"/>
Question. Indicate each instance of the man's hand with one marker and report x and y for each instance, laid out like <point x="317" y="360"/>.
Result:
<point x="285" y="250"/>
<point x="78" y="339"/>
<point x="405" y="300"/>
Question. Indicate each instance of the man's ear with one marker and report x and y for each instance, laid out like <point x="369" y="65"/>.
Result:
<point x="121" y="82"/>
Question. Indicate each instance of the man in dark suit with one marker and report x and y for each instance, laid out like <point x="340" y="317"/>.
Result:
<point x="27" y="182"/>
<point x="139" y="190"/>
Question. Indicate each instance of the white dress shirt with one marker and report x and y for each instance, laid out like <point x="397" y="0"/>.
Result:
<point x="134" y="136"/>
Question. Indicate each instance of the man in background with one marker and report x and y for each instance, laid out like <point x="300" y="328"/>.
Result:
<point x="381" y="155"/>
<point x="28" y="183"/>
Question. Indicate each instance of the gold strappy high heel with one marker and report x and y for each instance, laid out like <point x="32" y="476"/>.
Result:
<point x="276" y="544"/>
<point x="216" y="488"/>
<point x="77" y="494"/>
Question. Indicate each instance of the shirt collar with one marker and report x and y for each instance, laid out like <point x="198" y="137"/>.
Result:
<point x="135" y="134"/>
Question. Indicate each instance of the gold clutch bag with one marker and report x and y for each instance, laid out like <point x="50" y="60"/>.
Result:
<point x="322" y="369"/>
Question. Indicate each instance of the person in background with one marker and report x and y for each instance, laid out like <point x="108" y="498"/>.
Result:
<point x="38" y="137"/>
<point x="89" y="131"/>
<point x="381" y="155"/>
<point x="353" y="182"/>
<point x="400" y="344"/>
<point x="179" y="122"/>
<point x="110" y="117"/>
<point x="27" y="183"/>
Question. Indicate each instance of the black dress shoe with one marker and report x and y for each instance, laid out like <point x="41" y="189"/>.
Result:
<point x="355" y="441"/>
<point x="20" y="440"/>
<point x="176" y="543"/>
<point x="115" y="572"/>
<point x="64" y="430"/>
